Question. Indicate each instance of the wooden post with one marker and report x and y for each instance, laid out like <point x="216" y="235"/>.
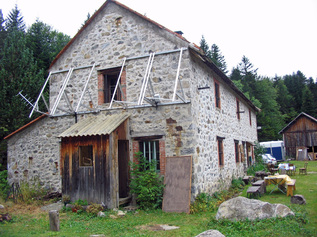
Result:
<point x="54" y="220"/>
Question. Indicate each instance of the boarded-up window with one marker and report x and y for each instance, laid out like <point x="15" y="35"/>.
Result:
<point x="85" y="156"/>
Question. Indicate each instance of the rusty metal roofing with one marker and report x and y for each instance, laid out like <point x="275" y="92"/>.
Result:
<point x="92" y="126"/>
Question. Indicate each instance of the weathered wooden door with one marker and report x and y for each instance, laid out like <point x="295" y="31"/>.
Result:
<point x="123" y="161"/>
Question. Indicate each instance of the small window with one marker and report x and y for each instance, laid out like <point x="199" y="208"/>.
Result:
<point x="85" y="156"/>
<point x="151" y="150"/>
<point x="217" y="95"/>
<point x="110" y="81"/>
<point x="250" y="118"/>
<point x="236" y="149"/>
<point x="238" y="109"/>
<point x="220" y="151"/>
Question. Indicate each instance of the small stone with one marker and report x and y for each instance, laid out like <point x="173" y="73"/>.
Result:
<point x="210" y="233"/>
<point x="101" y="214"/>
<point x="1" y="206"/>
<point x="121" y="213"/>
<point x="113" y="216"/>
<point x="298" y="199"/>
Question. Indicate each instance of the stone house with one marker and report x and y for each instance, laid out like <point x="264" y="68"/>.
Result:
<point x="124" y="84"/>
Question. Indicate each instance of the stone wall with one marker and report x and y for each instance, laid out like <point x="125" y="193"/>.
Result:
<point x="34" y="153"/>
<point x="211" y="122"/>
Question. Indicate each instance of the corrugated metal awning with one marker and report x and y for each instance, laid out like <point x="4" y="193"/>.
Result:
<point x="99" y="125"/>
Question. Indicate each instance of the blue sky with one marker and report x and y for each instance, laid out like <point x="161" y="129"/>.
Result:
<point x="278" y="36"/>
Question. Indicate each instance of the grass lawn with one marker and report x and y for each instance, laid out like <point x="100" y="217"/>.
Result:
<point x="29" y="220"/>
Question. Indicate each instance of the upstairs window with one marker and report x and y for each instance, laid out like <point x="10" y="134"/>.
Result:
<point x="110" y="81"/>
<point x="250" y="118"/>
<point x="85" y="156"/>
<point x="217" y="95"/>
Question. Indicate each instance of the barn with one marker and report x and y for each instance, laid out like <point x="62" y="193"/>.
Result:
<point x="300" y="137"/>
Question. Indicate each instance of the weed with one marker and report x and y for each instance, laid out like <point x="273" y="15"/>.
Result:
<point x="94" y="209"/>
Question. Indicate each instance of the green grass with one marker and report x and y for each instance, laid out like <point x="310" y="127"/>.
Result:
<point x="304" y="223"/>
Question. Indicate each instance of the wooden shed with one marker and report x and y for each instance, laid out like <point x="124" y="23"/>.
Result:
<point x="301" y="135"/>
<point x="94" y="160"/>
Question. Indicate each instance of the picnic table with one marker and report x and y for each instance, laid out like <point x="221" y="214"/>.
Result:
<point x="279" y="181"/>
<point x="287" y="168"/>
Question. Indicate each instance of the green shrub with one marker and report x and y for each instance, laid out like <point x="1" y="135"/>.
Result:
<point x="146" y="183"/>
<point x="94" y="209"/>
<point x="237" y="184"/>
<point x="4" y="185"/>
<point x="203" y="203"/>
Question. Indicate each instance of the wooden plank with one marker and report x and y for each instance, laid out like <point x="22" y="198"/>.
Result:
<point x="177" y="179"/>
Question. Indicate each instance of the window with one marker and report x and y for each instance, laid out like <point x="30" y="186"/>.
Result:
<point x="220" y="151"/>
<point x="217" y="95"/>
<point x="85" y="156"/>
<point x="236" y="149"/>
<point x="238" y="109"/>
<point x="151" y="150"/>
<point x="110" y="81"/>
<point x="250" y="118"/>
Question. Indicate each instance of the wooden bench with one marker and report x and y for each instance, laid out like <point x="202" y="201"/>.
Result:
<point x="262" y="186"/>
<point x="290" y="187"/>
<point x="253" y="191"/>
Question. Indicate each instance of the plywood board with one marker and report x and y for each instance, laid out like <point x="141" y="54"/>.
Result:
<point x="178" y="173"/>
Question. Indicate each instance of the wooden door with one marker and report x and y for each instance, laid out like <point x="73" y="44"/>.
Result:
<point x="123" y="163"/>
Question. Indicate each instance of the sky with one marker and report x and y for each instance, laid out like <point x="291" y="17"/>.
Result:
<point x="279" y="37"/>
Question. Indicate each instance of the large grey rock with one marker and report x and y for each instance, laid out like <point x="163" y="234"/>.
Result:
<point x="298" y="199"/>
<point x="241" y="208"/>
<point x="210" y="233"/>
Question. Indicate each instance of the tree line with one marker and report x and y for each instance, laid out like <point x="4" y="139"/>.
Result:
<point x="280" y="99"/>
<point x="25" y="56"/>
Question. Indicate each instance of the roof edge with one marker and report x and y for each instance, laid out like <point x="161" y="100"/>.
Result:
<point x="223" y="76"/>
<point x="297" y="117"/>
<point x="25" y="126"/>
<point x="95" y="15"/>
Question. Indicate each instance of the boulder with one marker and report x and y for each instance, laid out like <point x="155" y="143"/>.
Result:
<point x="241" y="208"/>
<point x="210" y="233"/>
<point x="298" y="199"/>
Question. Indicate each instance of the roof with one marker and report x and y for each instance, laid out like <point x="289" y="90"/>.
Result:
<point x="96" y="14"/>
<point x="25" y="126"/>
<point x="223" y="76"/>
<point x="302" y="114"/>
<point x="195" y="48"/>
<point x="98" y="125"/>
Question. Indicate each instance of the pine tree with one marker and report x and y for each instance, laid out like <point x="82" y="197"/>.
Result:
<point x="218" y="58"/>
<point x="15" y="21"/>
<point x="308" y="105"/>
<point x="205" y="47"/>
<point x="18" y="71"/>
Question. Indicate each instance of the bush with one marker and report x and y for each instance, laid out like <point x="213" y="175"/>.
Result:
<point x="32" y="191"/>
<point x="4" y="185"/>
<point x="203" y="203"/>
<point x="146" y="183"/>
<point x="94" y="209"/>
